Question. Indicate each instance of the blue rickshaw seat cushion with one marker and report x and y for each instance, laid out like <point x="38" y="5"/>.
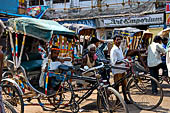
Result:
<point x="32" y="65"/>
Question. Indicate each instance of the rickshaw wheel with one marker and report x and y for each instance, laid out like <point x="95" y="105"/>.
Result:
<point x="12" y="95"/>
<point x="50" y="103"/>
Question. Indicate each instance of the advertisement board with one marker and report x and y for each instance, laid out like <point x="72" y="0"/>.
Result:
<point x="10" y="6"/>
<point x="168" y="12"/>
<point x="132" y="20"/>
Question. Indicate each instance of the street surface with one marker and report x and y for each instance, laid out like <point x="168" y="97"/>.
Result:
<point x="89" y="105"/>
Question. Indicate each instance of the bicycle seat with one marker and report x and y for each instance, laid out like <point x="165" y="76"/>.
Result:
<point x="65" y="67"/>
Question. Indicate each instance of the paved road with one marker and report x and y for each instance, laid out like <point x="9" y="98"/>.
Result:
<point x="89" y="106"/>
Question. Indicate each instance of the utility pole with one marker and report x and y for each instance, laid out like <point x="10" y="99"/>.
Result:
<point x="99" y="5"/>
<point x="92" y="4"/>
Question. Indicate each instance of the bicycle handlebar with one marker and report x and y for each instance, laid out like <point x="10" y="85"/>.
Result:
<point x="93" y="68"/>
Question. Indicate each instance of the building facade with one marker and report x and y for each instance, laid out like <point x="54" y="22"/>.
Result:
<point x="106" y="15"/>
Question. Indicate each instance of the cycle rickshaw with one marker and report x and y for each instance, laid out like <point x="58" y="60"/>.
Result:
<point x="135" y="42"/>
<point x="19" y="83"/>
<point x="84" y="33"/>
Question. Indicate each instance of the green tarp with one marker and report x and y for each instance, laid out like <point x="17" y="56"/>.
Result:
<point x="39" y="28"/>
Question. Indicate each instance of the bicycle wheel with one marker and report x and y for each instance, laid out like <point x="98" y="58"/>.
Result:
<point x="11" y="94"/>
<point x="50" y="103"/>
<point x="8" y="107"/>
<point x="113" y="100"/>
<point x="140" y="92"/>
<point x="58" y="98"/>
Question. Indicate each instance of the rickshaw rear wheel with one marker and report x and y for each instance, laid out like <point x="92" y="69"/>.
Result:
<point x="12" y="95"/>
<point x="50" y="103"/>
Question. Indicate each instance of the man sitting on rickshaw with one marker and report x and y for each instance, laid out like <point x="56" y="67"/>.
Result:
<point x="54" y="61"/>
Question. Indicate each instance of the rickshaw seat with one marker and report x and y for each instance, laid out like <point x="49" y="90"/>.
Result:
<point x="65" y="68"/>
<point x="32" y="65"/>
<point x="31" y="56"/>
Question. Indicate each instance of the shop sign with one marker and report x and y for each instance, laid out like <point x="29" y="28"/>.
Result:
<point x="90" y="22"/>
<point x="132" y="21"/>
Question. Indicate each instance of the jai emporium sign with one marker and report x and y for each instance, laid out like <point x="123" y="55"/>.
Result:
<point x="132" y="21"/>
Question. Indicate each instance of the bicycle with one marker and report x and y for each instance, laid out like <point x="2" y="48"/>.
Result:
<point x="139" y="88"/>
<point x="8" y="107"/>
<point x="11" y="94"/>
<point x="104" y="93"/>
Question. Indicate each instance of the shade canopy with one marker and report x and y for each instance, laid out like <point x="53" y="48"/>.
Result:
<point x="39" y="28"/>
<point x="164" y="33"/>
<point x="127" y="31"/>
<point x="80" y="29"/>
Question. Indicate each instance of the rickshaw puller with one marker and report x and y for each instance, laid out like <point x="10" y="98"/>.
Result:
<point x="55" y="61"/>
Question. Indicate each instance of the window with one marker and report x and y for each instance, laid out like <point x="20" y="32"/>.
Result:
<point x="60" y="1"/>
<point x="36" y="2"/>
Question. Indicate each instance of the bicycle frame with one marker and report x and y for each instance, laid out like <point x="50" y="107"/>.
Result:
<point x="130" y="73"/>
<point x="92" y="88"/>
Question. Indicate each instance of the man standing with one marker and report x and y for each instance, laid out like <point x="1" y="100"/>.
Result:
<point x="99" y="48"/>
<point x="101" y="56"/>
<point x="155" y="50"/>
<point x="116" y="55"/>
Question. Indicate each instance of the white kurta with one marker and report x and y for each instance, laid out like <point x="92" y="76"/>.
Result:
<point x="116" y="54"/>
<point x="154" y="54"/>
<point x="52" y="66"/>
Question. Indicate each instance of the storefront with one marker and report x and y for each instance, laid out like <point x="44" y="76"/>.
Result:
<point x="105" y="26"/>
<point x="89" y="22"/>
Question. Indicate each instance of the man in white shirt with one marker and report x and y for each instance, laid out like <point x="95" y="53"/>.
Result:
<point x="155" y="50"/>
<point x="55" y="61"/>
<point x="116" y="55"/>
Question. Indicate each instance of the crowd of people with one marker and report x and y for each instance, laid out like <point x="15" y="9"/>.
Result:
<point x="94" y="53"/>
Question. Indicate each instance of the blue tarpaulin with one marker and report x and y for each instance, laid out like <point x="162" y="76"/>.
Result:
<point x="10" y="6"/>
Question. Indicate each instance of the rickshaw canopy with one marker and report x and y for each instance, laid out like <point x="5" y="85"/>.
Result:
<point x="127" y="31"/>
<point x="38" y="28"/>
<point x="147" y="34"/>
<point x="80" y="29"/>
<point x="164" y="33"/>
